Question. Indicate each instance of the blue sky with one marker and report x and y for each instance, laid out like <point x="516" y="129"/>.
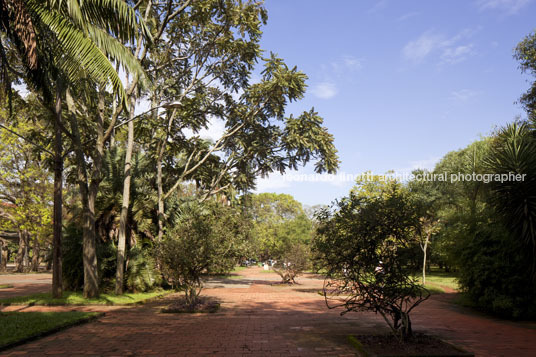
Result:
<point x="399" y="83"/>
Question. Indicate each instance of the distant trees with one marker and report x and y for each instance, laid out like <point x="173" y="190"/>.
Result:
<point x="25" y="186"/>
<point x="282" y="232"/>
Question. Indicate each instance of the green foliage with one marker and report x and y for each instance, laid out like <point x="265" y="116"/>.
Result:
<point x="72" y="266"/>
<point x="141" y="274"/>
<point x="513" y="151"/>
<point x="25" y="183"/>
<point x="494" y="275"/>
<point x="294" y="261"/>
<point x="202" y="242"/>
<point x="279" y="224"/>
<point x="361" y="242"/>
<point x="525" y="53"/>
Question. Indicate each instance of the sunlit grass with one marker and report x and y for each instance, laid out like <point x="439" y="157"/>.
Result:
<point x="442" y="279"/>
<point x="76" y="298"/>
<point x="17" y="326"/>
<point x="5" y="286"/>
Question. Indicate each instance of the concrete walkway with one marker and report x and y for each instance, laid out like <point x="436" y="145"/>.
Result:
<point x="259" y="318"/>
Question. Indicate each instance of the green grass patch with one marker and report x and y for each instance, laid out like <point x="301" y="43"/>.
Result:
<point x="434" y="290"/>
<point x="18" y="327"/>
<point x="226" y="276"/>
<point x="76" y="298"/>
<point x="5" y="286"/>
<point x="237" y="269"/>
<point x="357" y="345"/>
<point x="440" y="278"/>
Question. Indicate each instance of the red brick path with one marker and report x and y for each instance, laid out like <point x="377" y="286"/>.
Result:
<point x="258" y="319"/>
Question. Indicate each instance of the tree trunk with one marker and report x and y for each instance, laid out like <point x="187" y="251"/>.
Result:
<point x="424" y="250"/>
<point x="4" y="256"/>
<point x="19" y="260"/>
<point x="26" y="255"/>
<point x="57" y="288"/>
<point x="121" y="244"/>
<point x="36" y="251"/>
<point x="87" y="196"/>
<point x="160" y="193"/>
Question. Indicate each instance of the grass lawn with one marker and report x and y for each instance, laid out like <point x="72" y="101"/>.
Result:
<point x="20" y="326"/>
<point x="237" y="269"/>
<point x="76" y="298"/>
<point x="434" y="289"/>
<point x="443" y="279"/>
<point x="5" y="286"/>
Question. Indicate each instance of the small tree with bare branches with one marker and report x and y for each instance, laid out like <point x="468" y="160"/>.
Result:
<point x="362" y="244"/>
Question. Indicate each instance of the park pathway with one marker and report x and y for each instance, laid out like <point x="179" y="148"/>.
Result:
<point x="260" y="318"/>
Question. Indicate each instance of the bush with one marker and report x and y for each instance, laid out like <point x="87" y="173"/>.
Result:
<point x="72" y="260"/>
<point x="495" y="276"/>
<point x="363" y="243"/>
<point x="140" y="275"/>
<point x="202" y="242"/>
<point x="292" y="263"/>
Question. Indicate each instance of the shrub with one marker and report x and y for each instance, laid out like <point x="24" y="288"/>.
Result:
<point x="495" y="276"/>
<point x="202" y="242"/>
<point x="292" y="263"/>
<point x="140" y="275"/>
<point x="362" y="243"/>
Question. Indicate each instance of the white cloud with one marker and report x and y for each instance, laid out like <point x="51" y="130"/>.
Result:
<point x="380" y="5"/>
<point x="215" y="130"/>
<point x="510" y="7"/>
<point x="353" y="63"/>
<point x="463" y="95"/>
<point x="407" y="16"/>
<point x="449" y="49"/>
<point x="424" y="164"/>
<point x="325" y="90"/>
<point x="346" y="64"/>
<point x="272" y="182"/>
<point x="417" y="50"/>
<point x="453" y="55"/>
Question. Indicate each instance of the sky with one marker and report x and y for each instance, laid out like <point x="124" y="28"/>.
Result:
<point x="398" y="83"/>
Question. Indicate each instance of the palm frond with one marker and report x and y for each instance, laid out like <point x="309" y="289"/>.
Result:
<point x="77" y="45"/>
<point x="115" y="16"/>
<point x="117" y="52"/>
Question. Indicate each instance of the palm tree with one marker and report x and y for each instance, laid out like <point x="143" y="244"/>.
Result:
<point x="64" y="41"/>
<point x="514" y="151"/>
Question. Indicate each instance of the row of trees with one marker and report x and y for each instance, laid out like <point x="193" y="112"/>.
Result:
<point x="127" y="175"/>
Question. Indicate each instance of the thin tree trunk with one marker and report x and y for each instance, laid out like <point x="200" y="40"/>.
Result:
<point x="57" y="288"/>
<point x="91" y="276"/>
<point x="19" y="260"/>
<point x="4" y="256"/>
<point x="424" y="249"/>
<point x="36" y="252"/>
<point x="160" y="193"/>
<point x="121" y="244"/>
<point x="26" y="255"/>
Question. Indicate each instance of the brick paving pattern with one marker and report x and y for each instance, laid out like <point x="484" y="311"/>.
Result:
<point x="260" y="318"/>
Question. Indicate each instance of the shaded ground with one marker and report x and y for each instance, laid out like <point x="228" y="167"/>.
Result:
<point x="25" y="284"/>
<point x="259" y="318"/>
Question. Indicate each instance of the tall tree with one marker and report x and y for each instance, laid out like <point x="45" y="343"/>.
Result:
<point x="82" y="33"/>
<point x="200" y="64"/>
<point x="525" y="53"/>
